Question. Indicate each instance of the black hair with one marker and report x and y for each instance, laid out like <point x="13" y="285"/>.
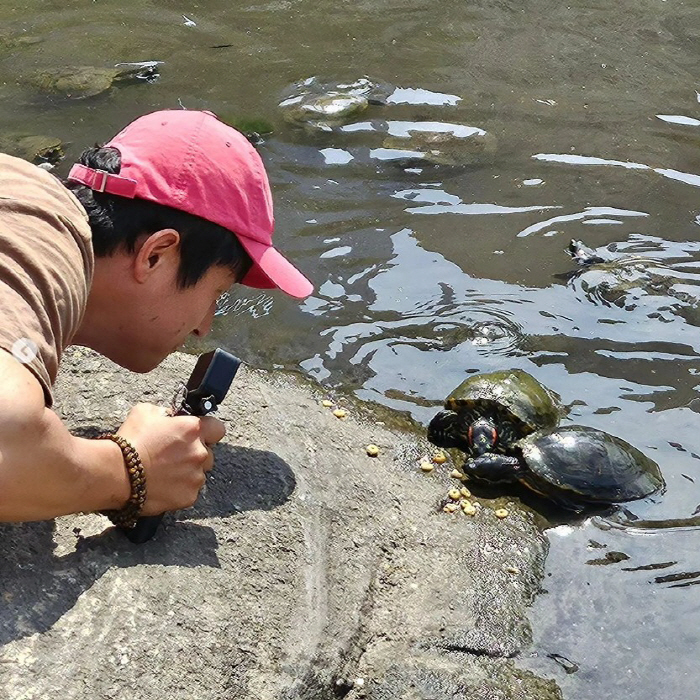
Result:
<point x="118" y="222"/>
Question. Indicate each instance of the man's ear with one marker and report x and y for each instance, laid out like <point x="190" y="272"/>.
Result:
<point x="157" y="250"/>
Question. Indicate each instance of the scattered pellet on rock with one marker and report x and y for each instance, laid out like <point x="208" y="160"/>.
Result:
<point x="427" y="466"/>
<point x="501" y="513"/>
<point x="468" y="508"/>
<point x="439" y="458"/>
<point x="372" y="450"/>
<point x="340" y="413"/>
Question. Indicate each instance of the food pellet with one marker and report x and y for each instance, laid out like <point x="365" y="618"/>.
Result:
<point x="454" y="494"/>
<point x="340" y="413"/>
<point x="439" y="458"/>
<point x="468" y="508"/>
<point x="501" y="513"/>
<point x="372" y="450"/>
<point x="465" y="492"/>
<point x="427" y="466"/>
<point x="326" y="403"/>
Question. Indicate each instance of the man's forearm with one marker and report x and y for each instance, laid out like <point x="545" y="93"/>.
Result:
<point x="44" y="470"/>
<point x="52" y="473"/>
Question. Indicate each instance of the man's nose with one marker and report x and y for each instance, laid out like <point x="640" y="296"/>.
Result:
<point x="205" y="324"/>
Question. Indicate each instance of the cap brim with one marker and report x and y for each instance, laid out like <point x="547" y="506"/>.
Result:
<point x="272" y="270"/>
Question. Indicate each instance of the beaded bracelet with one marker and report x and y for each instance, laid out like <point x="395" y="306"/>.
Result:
<point x="127" y="516"/>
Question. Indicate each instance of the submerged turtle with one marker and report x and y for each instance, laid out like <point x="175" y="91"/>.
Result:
<point x="324" y="106"/>
<point x="512" y="403"/>
<point x="440" y="143"/>
<point x="625" y="280"/>
<point x="79" y="82"/>
<point x="572" y="466"/>
<point x="35" y="148"/>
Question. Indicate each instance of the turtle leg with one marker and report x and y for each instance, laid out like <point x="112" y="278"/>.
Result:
<point x="446" y="430"/>
<point x="495" y="468"/>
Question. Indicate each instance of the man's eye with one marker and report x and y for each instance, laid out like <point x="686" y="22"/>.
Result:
<point x="223" y="304"/>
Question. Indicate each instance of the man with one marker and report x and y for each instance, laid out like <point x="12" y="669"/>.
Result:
<point x="128" y="258"/>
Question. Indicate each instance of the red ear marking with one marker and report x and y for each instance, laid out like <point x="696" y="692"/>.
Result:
<point x="470" y="433"/>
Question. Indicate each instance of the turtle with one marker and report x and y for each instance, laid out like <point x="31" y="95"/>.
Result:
<point x="80" y="82"/>
<point x="625" y="280"/>
<point x="35" y="148"/>
<point x="440" y="143"/>
<point x="489" y="412"/>
<point x="572" y="466"/>
<point x="324" y="105"/>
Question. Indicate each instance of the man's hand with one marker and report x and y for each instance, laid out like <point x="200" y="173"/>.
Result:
<point x="175" y="454"/>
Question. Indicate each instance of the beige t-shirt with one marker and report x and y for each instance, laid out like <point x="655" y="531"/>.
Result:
<point x="46" y="266"/>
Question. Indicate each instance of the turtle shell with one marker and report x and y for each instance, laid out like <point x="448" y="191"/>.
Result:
<point x="32" y="147"/>
<point x="513" y="399"/>
<point x="79" y="82"/>
<point x="585" y="464"/>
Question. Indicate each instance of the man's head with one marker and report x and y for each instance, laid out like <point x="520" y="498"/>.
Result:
<point x="180" y="208"/>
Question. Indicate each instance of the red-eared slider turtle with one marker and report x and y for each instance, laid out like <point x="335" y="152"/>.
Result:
<point x="79" y="82"/>
<point x="32" y="147"/>
<point x="626" y="280"/>
<point x="489" y="412"/>
<point x="440" y="143"/>
<point x="318" y="105"/>
<point x="572" y="465"/>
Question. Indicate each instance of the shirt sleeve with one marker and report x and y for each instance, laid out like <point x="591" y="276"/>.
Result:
<point x="46" y="267"/>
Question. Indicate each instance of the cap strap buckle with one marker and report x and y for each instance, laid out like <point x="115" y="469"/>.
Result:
<point x="102" y="181"/>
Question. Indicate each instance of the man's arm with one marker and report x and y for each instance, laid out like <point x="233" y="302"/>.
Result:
<point x="46" y="472"/>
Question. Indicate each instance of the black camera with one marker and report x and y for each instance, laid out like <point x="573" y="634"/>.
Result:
<point x="205" y="390"/>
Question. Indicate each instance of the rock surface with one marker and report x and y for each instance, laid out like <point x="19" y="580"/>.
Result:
<point x="307" y="569"/>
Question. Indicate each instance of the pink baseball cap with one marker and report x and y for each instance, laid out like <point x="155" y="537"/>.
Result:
<point x="191" y="161"/>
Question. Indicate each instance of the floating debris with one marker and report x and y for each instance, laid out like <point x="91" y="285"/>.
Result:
<point x="567" y="664"/>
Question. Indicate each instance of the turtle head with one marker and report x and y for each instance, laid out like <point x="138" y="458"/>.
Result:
<point x="482" y="436"/>
<point x="446" y="430"/>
